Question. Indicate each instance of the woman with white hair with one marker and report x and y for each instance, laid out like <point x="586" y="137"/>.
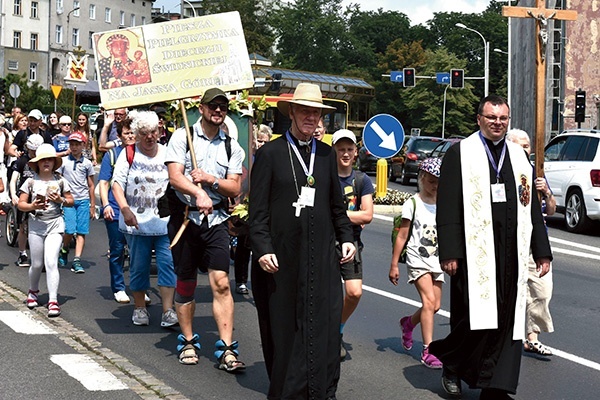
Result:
<point x="140" y="178"/>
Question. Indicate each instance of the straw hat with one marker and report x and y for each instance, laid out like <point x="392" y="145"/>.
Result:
<point x="306" y="94"/>
<point x="46" y="151"/>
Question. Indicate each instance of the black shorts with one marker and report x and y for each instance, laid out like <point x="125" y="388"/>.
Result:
<point x="353" y="269"/>
<point x="199" y="248"/>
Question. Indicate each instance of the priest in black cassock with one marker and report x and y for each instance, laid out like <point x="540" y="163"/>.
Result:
<point x="296" y="214"/>
<point x="488" y="220"/>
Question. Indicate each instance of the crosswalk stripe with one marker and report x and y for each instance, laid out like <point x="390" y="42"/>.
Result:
<point x="88" y="372"/>
<point x="24" y="322"/>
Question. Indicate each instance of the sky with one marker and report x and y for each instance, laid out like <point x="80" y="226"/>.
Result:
<point x="419" y="11"/>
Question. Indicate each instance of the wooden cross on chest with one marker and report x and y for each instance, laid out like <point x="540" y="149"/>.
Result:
<point x="541" y="14"/>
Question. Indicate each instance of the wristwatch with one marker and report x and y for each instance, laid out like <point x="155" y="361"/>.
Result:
<point x="215" y="185"/>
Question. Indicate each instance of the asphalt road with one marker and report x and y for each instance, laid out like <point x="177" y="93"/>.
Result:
<point x="133" y="362"/>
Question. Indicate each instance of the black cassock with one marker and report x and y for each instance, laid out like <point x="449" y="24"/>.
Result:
<point x="299" y="307"/>
<point x="483" y="358"/>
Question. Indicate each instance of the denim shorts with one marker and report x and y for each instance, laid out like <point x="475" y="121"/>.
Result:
<point x="140" y="258"/>
<point x="77" y="218"/>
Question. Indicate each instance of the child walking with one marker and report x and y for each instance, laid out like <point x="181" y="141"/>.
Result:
<point x="43" y="197"/>
<point x="422" y="260"/>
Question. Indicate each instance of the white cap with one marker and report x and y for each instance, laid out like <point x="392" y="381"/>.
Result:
<point x="35" y="113"/>
<point x="343" y="134"/>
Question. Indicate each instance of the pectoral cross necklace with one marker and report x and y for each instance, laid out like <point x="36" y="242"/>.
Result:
<point x="301" y="203"/>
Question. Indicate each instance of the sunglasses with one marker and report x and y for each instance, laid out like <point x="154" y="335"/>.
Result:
<point x="221" y="106"/>
<point x="65" y="124"/>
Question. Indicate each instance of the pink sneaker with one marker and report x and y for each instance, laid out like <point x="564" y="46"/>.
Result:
<point x="429" y="360"/>
<point x="407" y="327"/>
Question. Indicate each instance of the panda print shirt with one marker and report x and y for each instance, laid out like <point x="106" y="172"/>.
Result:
<point x="422" y="248"/>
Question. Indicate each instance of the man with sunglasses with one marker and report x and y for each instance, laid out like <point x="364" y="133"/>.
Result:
<point x="61" y="140"/>
<point x="202" y="197"/>
<point x="488" y="221"/>
<point x="109" y="137"/>
<point x="35" y="117"/>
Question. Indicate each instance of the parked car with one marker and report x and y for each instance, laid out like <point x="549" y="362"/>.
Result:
<point x="441" y="149"/>
<point x="405" y="165"/>
<point x="572" y="168"/>
<point x="367" y="162"/>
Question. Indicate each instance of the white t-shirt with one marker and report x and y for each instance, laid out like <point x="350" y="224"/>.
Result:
<point x="422" y="248"/>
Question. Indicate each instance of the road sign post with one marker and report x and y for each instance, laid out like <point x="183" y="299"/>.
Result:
<point x="383" y="136"/>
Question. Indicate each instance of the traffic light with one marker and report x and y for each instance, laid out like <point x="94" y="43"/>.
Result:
<point x="457" y="78"/>
<point x="408" y="77"/>
<point x="2" y="85"/>
<point x="580" y="106"/>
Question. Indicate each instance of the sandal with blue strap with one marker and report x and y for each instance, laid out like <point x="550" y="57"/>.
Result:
<point x="228" y="356"/>
<point x="188" y="349"/>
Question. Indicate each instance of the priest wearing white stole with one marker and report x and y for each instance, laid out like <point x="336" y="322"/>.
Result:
<point x="487" y="220"/>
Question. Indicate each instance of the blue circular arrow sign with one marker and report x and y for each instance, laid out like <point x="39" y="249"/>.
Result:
<point x="383" y="136"/>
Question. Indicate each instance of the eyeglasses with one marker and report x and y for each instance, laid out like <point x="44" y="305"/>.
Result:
<point x="220" y="106"/>
<point x="493" y="118"/>
<point x="65" y="124"/>
<point x="120" y="114"/>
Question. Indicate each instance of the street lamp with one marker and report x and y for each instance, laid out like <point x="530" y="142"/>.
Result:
<point x="486" y="59"/>
<point x="509" y="74"/>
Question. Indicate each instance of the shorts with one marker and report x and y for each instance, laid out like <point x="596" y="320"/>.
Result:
<point x="77" y="218"/>
<point x="199" y="248"/>
<point x="352" y="269"/>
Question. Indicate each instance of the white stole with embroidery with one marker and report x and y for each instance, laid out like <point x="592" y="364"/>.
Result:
<point x="479" y="233"/>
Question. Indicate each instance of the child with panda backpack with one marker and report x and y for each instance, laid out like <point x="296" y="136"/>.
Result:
<point x="419" y="234"/>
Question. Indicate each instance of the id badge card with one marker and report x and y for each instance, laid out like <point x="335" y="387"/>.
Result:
<point x="498" y="193"/>
<point x="307" y="196"/>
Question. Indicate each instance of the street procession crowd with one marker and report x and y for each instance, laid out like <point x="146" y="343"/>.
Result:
<point x="168" y="197"/>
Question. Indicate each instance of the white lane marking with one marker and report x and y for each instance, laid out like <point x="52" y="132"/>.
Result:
<point x="594" y="249"/>
<point x="576" y="253"/>
<point x="24" y="322"/>
<point x="88" y="372"/>
<point x="443" y="313"/>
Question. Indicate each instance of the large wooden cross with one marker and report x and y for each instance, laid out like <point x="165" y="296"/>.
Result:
<point x="541" y="14"/>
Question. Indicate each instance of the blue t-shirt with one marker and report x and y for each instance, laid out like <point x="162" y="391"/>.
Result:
<point x="61" y="143"/>
<point x="352" y="199"/>
<point x="106" y="174"/>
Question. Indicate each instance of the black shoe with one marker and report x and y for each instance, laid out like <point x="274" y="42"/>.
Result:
<point x="451" y="383"/>
<point x="23" y="261"/>
<point x="494" y="394"/>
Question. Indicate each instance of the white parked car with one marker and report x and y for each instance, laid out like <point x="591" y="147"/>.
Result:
<point x="572" y="167"/>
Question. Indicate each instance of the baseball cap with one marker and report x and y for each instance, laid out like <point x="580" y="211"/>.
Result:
<point x="34" y="141"/>
<point x="35" y="113"/>
<point x="212" y="94"/>
<point x="431" y="165"/>
<point x="78" y="136"/>
<point x="343" y="134"/>
<point x="65" y="119"/>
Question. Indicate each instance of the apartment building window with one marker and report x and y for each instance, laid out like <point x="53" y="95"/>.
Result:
<point x="17" y="39"/>
<point x="34" y="9"/>
<point x="75" y="39"/>
<point x="132" y="19"/>
<point x="58" y="36"/>
<point x="76" y="8"/>
<point x="91" y="40"/>
<point x="92" y="11"/>
<point x="59" y="5"/>
<point x="17" y="7"/>
<point x="13" y="65"/>
<point x="143" y="20"/>
<point x="33" y="43"/>
<point x="33" y="71"/>
<point x="122" y="18"/>
<point x="107" y="15"/>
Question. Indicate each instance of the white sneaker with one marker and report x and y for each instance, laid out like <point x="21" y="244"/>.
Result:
<point x="121" y="297"/>
<point x="169" y="318"/>
<point x="140" y="317"/>
<point x="147" y="299"/>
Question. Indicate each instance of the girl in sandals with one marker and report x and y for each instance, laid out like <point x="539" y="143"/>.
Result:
<point x="43" y="197"/>
<point x="418" y="232"/>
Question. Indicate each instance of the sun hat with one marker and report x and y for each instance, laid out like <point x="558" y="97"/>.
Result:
<point x="343" y="134"/>
<point x="34" y="141"/>
<point x="46" y="150"/>
<point x="431" y="165"/>
<point x="35" y="113"/>
<point x="212" y="94"/>
<point x="65" y="119"/>
<point x="78" y="137"/>
<point x="306" y="94"/>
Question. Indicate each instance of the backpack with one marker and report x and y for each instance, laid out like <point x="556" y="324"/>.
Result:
<point x="397" y="223"/>
<point x="357" y="186"/>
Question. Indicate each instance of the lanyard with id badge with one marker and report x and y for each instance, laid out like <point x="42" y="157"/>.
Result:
<point x="498" y="189"/>
<point x="306" y="195"/>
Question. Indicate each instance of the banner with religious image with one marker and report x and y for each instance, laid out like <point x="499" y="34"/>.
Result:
<point x="172" y="60"/>
<point x="77" y="66"/>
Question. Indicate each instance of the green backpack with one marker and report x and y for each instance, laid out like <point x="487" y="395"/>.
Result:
<point x="397" y="223"/>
